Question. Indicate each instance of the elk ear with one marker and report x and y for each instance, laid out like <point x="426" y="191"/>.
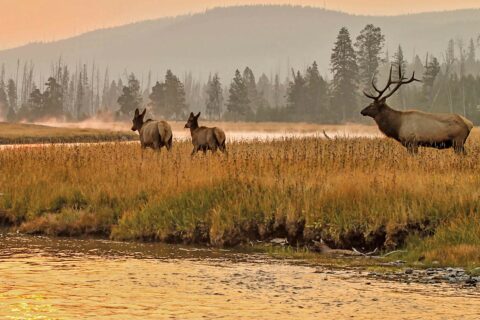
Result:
<point x="191" y="115"/>
<point x="198" y="115"/>
<point x="144" y="111"/>
<point x="136" y="112"/>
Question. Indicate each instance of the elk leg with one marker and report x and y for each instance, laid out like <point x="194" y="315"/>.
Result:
<point x="223" y="148"/>
<point x="195" y="150"/>
<point x="459" y="148"/>
<point x="412" y="148"/>
<point x="169" y="144"/>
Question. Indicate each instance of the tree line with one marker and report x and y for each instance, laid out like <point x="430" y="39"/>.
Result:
<point x="450" y="83"/>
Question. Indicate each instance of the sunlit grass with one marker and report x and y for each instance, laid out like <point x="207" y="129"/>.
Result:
<point x="350" y="192"/>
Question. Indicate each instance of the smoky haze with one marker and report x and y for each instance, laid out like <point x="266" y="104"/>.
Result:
<point x="268" y="39"/>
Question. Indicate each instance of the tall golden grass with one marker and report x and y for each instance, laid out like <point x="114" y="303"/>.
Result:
<point x="350" y="192"/>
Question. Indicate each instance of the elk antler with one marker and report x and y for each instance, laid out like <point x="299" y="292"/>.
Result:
<point x="398" y="83"/>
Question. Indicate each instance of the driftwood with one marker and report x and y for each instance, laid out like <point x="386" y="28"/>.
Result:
<point x="322" y="247"/>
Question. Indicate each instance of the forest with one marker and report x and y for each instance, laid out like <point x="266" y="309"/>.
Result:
<point x="450" y="83"/>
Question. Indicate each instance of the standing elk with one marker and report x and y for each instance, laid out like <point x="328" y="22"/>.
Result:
<point x="153" y="134"/>
<point x="204" y="138"/>
<point x="414" y="128"/>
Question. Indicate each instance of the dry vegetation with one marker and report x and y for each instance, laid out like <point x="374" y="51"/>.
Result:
<point x="358" y="192"/>
<point x="14" y="133"/>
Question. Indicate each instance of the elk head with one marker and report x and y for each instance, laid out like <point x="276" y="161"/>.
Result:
<point x="138" y="120"/>
<point x="192" y="121"/>
<point x="379" y="101"/>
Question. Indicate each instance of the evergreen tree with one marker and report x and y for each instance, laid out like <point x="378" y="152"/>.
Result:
<point x="131" y="97"/>
<point x="297" y="96"/>
<point x="277" y="92"/>
<point x="369" y="46"/>
<point x="238" y="102"/>
<point x="317" y="94"/>
<point x="432" y="70"/>
<point x="3" y="101"/>
<point x="168" y="98"/>
<point x="53" y="98"/>
<point x="398" y="61"/>
<point x="250" y="83"/>
<point x="264" y="89"/>
<point x="12" y="100"/>
<point x="345" y="73"/>
<point x="214" y="98"/>
<point x="34" y="107"/>
<point x="450" y="53"/>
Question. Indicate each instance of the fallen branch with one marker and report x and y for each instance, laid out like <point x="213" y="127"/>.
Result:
<point x="393" y="252"/>
<point x="367" y="254"/>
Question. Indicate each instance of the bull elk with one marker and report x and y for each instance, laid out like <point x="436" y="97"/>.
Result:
<point x="153" y="134"/>
<point x="204" y="138"/>
<point x="414" y="128"/>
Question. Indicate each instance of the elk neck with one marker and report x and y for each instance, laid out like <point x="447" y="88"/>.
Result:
<point x="389" y="121"/>
<point x="193" y="127"/>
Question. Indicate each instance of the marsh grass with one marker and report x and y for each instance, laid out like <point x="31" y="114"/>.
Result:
<point x="357" y="192"/>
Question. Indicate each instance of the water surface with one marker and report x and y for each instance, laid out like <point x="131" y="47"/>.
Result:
<point x="44" y="278"/>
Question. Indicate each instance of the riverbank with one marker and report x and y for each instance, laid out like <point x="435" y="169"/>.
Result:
<point x="358" y="192"/>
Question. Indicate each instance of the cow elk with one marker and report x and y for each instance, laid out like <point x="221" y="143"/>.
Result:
<point x="204" y="138"/>
<point x="153" y="134"/>
<point x="414" y="128"/>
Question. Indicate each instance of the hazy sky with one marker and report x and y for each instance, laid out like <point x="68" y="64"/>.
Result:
<point x="23" y="21"/>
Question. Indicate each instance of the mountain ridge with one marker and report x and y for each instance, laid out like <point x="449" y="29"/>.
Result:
<point x="268" y="38"/>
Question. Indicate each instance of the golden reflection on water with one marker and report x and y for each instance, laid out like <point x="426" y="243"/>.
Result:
<point x="44" y="278"/>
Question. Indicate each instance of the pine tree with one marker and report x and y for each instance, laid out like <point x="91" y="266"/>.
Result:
<point x="3" y="100"/>
<point x="345" y="74"/>
<point x="12" y="100"/>
<point x="316" y="91"/>
<point x="131" y="97"/>
<point x="238" y="102"/>
<point x="398" y="61"/>
<point x="53" y="98"/>
<point x="214" y="98"/>
<point x="432" y="70"/>
<point x="471" y="53"/>
<point x="369" y="46"/>
<point x="168" y="98"/>
<point x="264" y="89"/>
<point x="450" y="53"/>
<point x="277" y="92"/>
<point x="250" y="83"/>
<point x="297" y="96"/>
<point x="35" y="105"/>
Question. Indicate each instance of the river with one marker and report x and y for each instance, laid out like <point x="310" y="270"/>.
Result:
<point x="46" y="278"/>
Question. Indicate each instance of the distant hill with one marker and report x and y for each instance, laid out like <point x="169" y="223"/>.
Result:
<point x="267" y="38"/>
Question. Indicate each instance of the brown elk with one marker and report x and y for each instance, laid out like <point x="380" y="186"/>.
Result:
<point x="414" y="128"/>
<point x="153" y="134"/>
<point x="204" y="138"/>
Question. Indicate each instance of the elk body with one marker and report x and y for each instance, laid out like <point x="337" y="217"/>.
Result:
<point x="204" y="138"/>
<point x="153" y="134"/>
<point x="414" y="128"/>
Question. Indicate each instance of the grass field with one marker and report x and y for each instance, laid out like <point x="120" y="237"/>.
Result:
<point x="16" y="133"/>
<point x="357" y="192"/>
